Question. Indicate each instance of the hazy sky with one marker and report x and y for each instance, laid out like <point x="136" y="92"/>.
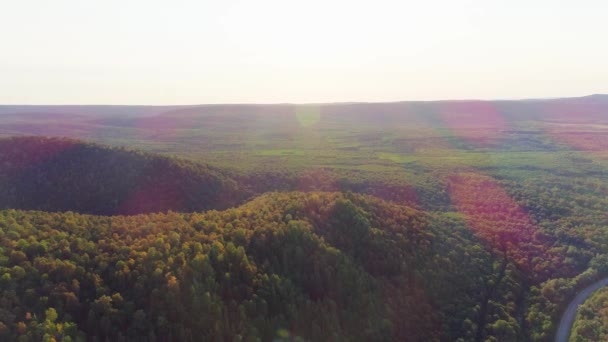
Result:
<point x="226" y="51"/>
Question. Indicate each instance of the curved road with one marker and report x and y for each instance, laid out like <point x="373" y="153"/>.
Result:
<point x="565" y="324"/>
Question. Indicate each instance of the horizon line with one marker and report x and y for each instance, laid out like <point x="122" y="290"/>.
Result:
<point x="303" y="103"/>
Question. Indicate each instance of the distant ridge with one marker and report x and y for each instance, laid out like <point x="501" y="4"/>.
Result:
<point x="155" y="109"/>
<point x="597" y="97"/>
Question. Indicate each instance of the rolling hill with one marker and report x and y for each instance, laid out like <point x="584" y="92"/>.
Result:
<point x="313" y="266"/>
<point x="69" y="175"/>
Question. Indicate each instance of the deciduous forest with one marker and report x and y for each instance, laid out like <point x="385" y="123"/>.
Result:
<point x="410" y="221"/>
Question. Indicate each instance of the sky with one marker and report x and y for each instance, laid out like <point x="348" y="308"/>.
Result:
<point x="276" y="51"/>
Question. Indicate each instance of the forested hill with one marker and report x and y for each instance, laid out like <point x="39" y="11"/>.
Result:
<point x="68" y="175"/>
<point x="320" y="266"/>
<point x="62" y="174"/>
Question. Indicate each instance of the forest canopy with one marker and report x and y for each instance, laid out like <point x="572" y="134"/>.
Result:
<point x="415" y="221"/>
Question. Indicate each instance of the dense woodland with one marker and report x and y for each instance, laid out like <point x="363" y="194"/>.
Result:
<point x="328" y="225"/>
<point x="316" y="266"/>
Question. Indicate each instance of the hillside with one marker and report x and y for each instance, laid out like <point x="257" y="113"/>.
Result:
<point x="68" y="175"/>
<point x="321" y="266"/>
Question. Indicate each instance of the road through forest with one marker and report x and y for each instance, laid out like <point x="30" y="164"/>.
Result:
<point x="565" y="324"/>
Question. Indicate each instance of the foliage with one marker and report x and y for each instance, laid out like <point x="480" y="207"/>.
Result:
<point x="449" y="221"/>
